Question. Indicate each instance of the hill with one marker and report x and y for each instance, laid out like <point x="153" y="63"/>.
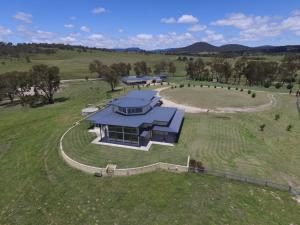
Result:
<point x="203" y="47"/>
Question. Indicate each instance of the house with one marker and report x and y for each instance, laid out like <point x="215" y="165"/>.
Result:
<point x="140" y="80"/>
<point x="137" y="119"/>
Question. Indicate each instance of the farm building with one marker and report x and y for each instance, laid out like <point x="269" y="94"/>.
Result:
<point x="136" y="80"/>
<point x="137" y="118"/>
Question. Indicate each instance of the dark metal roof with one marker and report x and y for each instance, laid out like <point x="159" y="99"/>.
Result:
<point x="136" y="98"/>
<point x="175" y="124"/>
<point x="108" y="117"/>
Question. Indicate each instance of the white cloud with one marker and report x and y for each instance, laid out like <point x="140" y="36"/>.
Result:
<point x="144" y="36"/>
<point x="252" y="27"/>
<point x="24" y="17"/>
<point x="85" y="29"/>
<point x="72" y="17"/>
<point x="168" y="20"/>
<point x="197" y="28"/>
<point x="98" y="10"/>
<point x="187" y="19"/>
<point x="68" y="40"/>
<point x="212" y="36"/>
<point x="69" y="25"/>
<point x="120" y="30"/>
<point x="96" y="37"/>
<point x="5" y="31"/>
<point x="36" y="35"/>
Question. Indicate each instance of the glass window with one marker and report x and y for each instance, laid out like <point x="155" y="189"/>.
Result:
<point x="115" y="135"/>
<point x="131" y="137"/>
<point x="131" y="130"/>
<point x="115" y="128"/>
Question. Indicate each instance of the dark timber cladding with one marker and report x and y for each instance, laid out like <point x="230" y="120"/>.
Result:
<point x="137" y="118"/>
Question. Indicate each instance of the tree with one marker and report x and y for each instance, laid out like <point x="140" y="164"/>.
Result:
<point x="95" y="67"/>
<point x="171" y="68"/>
<point x="122" y="69"/>
<point x="27" y="58"/>
<point x="24" y="85"/>
<point x="111" y="76"/>
<point x="288" y="68"/>
<point x="10" y="85"/>
<point x="140" y="68"/>
<point x="46" y="80"/>
<point x="239" y="69"/>
<point x="196" y="69"/>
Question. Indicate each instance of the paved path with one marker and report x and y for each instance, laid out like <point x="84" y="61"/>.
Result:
<point x="193" y="109"/>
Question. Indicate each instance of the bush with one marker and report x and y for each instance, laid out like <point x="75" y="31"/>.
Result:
<point x="175" y="86"/>
<point x="236" y="88"/>
<point x="289" y="127"/>
<point x="228" y="87"/>
<point x="208" y="86"/>
<point x="189" y="84"/>
<point x="289" y="86"/>
<point x="262" y="127"/>
<point x="278" y="85"/>
<point x="172" y="87"/>
<point x="201" y="85"/>
<point x="242" y="89"/>
<point x="267" y="84"/>
<point x="215" y="86"/>
<point x="221" y="86"/>
<point x="277" y="116"/>
<point x="249" y="92"/>
<point x="253" y="95"/>
<point x="181" y="85"/>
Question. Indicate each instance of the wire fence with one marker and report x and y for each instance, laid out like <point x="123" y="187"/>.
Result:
<point x="246" y="179"/>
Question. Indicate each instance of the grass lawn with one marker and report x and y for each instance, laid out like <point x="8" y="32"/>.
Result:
<point x="214" y="97"/>
<point x="231" y="142"/>
<point x="37" y="187"/>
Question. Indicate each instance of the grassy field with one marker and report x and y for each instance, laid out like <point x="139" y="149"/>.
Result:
<point x="214" y="97"/>
<point x="231" y="142"/>
<point x="76" y="65"/>
<point x="37" y="187"/>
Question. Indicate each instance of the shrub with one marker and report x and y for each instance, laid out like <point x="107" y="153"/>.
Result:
<point x="208" y="86"/>
<point x="181" y="85"/>
<point x="236" y="88"/>
<point x="221" y="86"/>
<point x="262" y="127"/>
<point x="289" y="86"/>
<point x="277" y="116"/>
<point x="289" y="127"/>
<point x="278" y="85"/>
<point x="175" y="86"/>
<point x="249" y="92"/>
<point x="189" y="84"/>
<point x="201" y="85"/>
<point x="242" y="89"/>
<point x="253" y="95"/>
<point x="172" y="87"/>
<point x="228" y="87"/>
<point x="267" y="84"/>
<point x="215" y="86"/>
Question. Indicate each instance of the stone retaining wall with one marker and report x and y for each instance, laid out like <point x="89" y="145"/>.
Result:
<point x="118" y="172"/>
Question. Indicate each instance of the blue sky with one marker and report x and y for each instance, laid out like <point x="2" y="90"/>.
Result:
<point x="151" y="24"/>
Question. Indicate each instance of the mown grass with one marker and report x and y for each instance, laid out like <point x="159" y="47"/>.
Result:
<point x="214" y="97"/>
<point x="37" y="187"/>
<point x="231" y="142"/>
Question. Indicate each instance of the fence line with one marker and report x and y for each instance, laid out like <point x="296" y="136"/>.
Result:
<point x="245" y="179"/>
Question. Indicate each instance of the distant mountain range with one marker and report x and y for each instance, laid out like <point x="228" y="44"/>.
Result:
<point x="203" y="47"/>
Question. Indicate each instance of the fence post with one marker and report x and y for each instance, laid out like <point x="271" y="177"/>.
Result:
<point x="290" y="188"/>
